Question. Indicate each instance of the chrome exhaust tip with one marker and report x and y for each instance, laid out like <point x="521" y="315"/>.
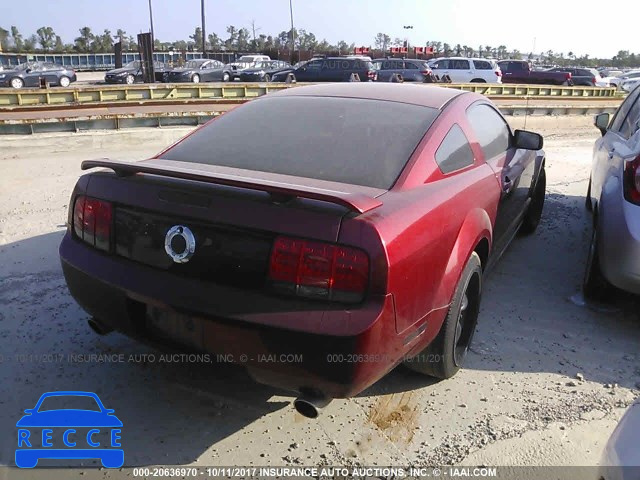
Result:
<point x="99" y="327"/>
<point x="309" y="405"/>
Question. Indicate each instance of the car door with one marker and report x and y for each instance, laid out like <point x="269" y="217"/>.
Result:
<point x="309" y="72"/>
<point x="514" y="169"/>
<point x="441" y="67"/>
<point x="411" y="72"/>
<point x="32" y="75"/>
<point x="215" y="71"/>
<point x="607" y="149"/>
<point x="206" y="71"/>
<point x="460" y="70"/>
<point x="52" y="73"/>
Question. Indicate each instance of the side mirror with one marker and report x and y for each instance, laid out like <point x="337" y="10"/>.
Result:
<point x="601" y="121"/>
<point x="527" y="140"/>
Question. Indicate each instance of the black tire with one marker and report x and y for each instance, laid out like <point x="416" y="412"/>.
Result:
<point x="478" y="80"/>
<point x="226" y="77"/>
<point x="534" y="212"/>
<point x="195" y="78"/>
<point x="266" y="78"/>
<point x="444" y="356"/>
<point x="64" y="81"/>
<point x="594" y="285"/>
<point x="130" y="79"/>
<point x="587" y="201"/>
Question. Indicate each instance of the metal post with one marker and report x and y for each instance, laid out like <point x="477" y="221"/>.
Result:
<point x="204" y="36"/>
<point x="153" y="38"/>
<point x="293" y="34"/>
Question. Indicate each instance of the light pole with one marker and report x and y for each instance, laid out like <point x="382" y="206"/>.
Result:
<point x="293" y="34"/>
<point x="407" y="27"/>
<point x="204" y="36"/>
<point x="153" y="38"/>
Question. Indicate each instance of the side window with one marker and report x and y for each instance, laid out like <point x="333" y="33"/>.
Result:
<point x="492" y="131"/>
<point x="314" y="64"/>
<point x="454" y="152"/>
<point x="630" y="124"/>
<point x="622" y="113"/>
<point x="410" y="66"/>
<point x="515" y="67"/>
<point x="482" y="65"/>
<point x="441" y="65"/>
<point x="460" y="65"/>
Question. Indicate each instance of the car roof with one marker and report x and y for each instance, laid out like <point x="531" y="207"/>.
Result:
<point x="423" y="95"/>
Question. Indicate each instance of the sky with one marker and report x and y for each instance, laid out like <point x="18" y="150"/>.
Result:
<point x="598" y="29"/>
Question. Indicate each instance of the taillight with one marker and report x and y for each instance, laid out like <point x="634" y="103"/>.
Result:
<point x="92" y="220"/>
<point x="632" y="181"/>
<point x="426" y="72"/>
<point x="318" y="270"/>
<point x="498" y="73"/>
<point x="593" y="81"/>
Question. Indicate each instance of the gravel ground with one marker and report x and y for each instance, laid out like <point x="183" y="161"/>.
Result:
<point x="546" y="382"/>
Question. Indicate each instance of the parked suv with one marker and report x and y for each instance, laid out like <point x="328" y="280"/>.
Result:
<point x="468" y="70"/>
<point x="411" y="70"/>
<point x="330" y="69"/>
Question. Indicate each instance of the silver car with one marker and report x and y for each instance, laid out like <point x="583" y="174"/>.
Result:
<point x="621" y="456"/>
<point x="613" y="197"/>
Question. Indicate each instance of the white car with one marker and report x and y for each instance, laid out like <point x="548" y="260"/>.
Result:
<point x="247" y="61"/>
<point x="617" y="81"/>
<point x="621" y="457"/>
<point x="468" y="70"/>
<point x="630" y="84"/>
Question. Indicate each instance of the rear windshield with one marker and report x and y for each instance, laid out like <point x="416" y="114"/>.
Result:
<point x="355" y="141"/>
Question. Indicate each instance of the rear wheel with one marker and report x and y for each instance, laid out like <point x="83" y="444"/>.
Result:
<point x="478" y="80"/>
<point x="65" y="81"/>
<point x="195" y="78"/>
<point x="226" y="77"/>
<point x="534" y="212"/>
<point x="445" y="355"/>
<point x="594" y="285"/>
<point x="130" y="79"/>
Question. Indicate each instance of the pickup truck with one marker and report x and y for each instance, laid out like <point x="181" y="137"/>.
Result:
<point x="520" y="71"/>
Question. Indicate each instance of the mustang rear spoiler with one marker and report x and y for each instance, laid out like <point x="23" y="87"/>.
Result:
<point x="358" y="202"/>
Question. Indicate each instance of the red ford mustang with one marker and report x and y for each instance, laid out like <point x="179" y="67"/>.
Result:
<point x="319" y="236"/>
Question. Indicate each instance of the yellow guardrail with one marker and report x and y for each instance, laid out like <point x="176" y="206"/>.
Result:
<point x="97" y="94"/>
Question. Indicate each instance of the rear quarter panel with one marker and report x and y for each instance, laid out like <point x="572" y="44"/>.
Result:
<point x="430" y="223"/>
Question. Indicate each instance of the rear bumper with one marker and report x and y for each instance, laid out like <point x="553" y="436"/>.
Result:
<point x="620" y="241"/>
<point x="284" y="343"/>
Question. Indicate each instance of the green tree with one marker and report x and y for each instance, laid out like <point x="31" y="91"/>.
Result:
<point x="459" y="49"/>
<point x="446" y="50"/>
<point x="382" y="41"/>
<point x="16" y="37"/>
<point x="46" y="38"/>
<point x="4" y="40"/>
<point x="197" y="38"/>
<point x="214" y="42"/>
<point x="83" y="42"/>
<point x="242" y="43"/>
<point x="58" y="46"/>
<point x="231" y="42"/>
<point x="30" y="43"/>
<point x="121" y="36"/>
